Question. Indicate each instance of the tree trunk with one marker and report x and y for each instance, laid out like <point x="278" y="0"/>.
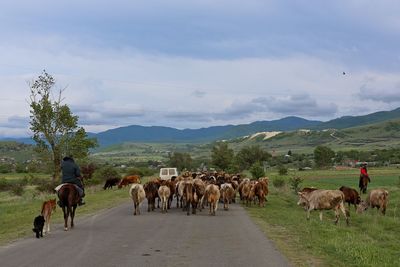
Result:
<point x="57" y="169"/>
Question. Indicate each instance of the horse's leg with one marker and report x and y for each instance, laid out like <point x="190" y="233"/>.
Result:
<point x="48" y="223"/>
<point x="72" y="216"/>
<point x="66" y="213"/>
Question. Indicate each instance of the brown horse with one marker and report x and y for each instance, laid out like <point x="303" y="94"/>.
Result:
<point x="363" y="183"/>
<point x="69" y="198"/>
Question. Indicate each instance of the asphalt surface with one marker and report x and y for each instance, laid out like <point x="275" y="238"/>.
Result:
<point x="117" y="238"/>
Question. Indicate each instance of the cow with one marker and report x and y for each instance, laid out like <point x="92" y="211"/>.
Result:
<point x="261" y="191"/>
<point x="164" y="193"/>
<point x="111" y="182"/>
<point x="199" y="188"/>
<point x="308" y="189"/>
<point x="151" y="190"/>
<point x="377" y="198"/>
<point x="172" y="189"/>
<point x="189" y="197"/>
<point x="247" y="192"/>
<point x="212" y="195"/>
<point x="131" y="179"/>
<point x="324" y="200"/>
<point x="227" y="194"/>
<point x="137" y="194"/>
<point x="351" y="196"/>
<point x="179" y="193"/>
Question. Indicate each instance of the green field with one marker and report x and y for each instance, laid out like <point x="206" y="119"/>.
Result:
<point x="370" y="240"/>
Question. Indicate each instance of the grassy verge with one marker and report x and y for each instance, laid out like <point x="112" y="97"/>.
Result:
<point x="370" y="240"/>
<point x="17" y="212"/>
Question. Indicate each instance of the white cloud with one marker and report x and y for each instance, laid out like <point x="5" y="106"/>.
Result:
<point x="200" y="63"/>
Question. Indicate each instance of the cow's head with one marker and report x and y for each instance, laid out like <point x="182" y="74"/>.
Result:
<point x="363" y="206"/>
<point x="358" y="200"/>
<point x="303" y="200"/>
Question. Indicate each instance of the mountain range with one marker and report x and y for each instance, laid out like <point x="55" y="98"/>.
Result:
<point x="160" y="134"/>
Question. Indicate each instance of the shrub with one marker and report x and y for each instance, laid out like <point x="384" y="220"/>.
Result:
<point x="257" y="171"/>
<point x="33" y="180"/>
<point x="17" y="189"/>
<point x="282" y="170"/>
<point x="46" y="186"/>
<point x="141" y="171"/>
<point x="5" y="185"/>
<point x="295" y="183"/>
<point x="278" y="182"/>
<point x="103" y="174"/>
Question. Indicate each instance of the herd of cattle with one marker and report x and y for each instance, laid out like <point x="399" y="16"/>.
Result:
<point x="319" y="199"/>
<point x="195" y="190"/>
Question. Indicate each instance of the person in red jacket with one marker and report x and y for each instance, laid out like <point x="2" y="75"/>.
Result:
<point x="363" y="173"/>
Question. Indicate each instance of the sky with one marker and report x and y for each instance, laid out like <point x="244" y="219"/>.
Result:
<point x="199" y="63"/>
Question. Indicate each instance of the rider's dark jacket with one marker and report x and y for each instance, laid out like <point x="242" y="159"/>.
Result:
<point x="70" y="172"/>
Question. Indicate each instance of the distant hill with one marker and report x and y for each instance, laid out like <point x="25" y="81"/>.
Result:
<point x="352" y="121"/>
<point x="372" y="136"/>
<point x="136" y="133"/>
<point x="23" y="140"/>
<point x="160" y="134"/>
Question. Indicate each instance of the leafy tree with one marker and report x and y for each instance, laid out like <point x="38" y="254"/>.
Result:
<point x="55" y="129"/>
<point x="323" y="156"/>
<point x="249" y="155"/>
<point x="257" y="170"/>
<point x="222" y="156"/>
<point x="181" y="161"/>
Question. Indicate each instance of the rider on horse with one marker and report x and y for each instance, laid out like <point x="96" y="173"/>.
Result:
<point x="72" y="174"/>
<point x="363" y="173"/>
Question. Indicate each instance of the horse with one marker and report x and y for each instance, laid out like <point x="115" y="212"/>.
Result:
<point x="363" y="183"/>
<point x="47" y="209"/>
<point x="69" y="198"/>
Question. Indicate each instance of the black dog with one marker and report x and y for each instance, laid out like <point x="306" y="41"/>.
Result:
<point x="38" y="225"/>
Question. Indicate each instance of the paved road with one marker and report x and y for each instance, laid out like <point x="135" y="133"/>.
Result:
<point x="117" y="238"/>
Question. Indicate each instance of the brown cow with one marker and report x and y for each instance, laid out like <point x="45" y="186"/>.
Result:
<point x="377" y="198"/>
<point x="190" y="197"/>
<point x="212" y="195"/>
<point x="151" y="189"/>
<point x="228" y="194"/>
<point x="131" y="179"/>
<point x="172" y="187"/>
<point x="261" y="191"/>
<point x="323" y="200"/>
<point x="351" y="196"/>
<point x="199" y="188"/>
